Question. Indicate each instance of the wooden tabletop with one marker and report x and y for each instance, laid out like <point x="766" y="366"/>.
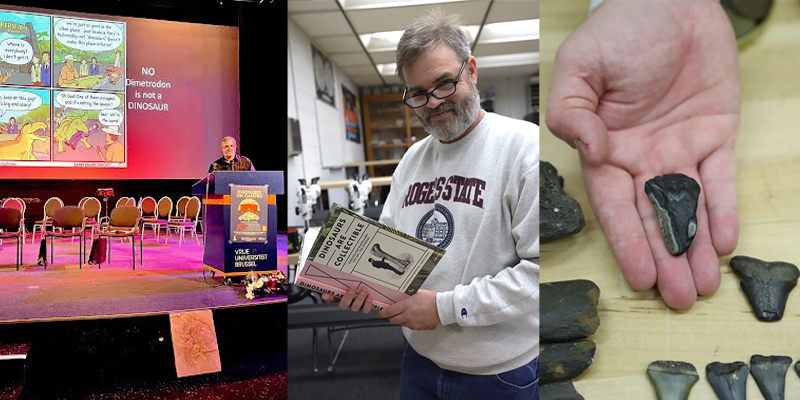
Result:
<point x="637" y="328"/>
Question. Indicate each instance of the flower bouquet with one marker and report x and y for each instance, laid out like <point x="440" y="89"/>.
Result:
<point x="263" y="284"/>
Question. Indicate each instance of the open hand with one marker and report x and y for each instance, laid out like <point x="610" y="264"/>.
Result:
<point x="647" y="88"/>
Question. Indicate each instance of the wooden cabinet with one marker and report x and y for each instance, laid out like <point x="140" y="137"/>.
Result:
<point x="391" y="128"/>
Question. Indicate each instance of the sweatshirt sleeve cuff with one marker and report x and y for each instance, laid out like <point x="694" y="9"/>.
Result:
<point x="445" y="307"/>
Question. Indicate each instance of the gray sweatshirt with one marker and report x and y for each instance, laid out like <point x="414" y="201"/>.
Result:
<point x="479" y="199"/>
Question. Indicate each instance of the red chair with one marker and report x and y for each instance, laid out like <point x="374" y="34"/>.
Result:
<point x="189" y="222"/>
<point x="91" y="207"/>
<point x="50" y="206"/>
<point x="68" y="222"/>
<point x="124" y="222"/>
<point x="163" y="211"/>
<point x="13" y="226"/>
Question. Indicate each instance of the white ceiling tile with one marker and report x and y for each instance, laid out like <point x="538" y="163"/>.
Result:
<point x="359" y="70"/>
<point x="383" y="57"/>
<point x="322" y="23"/>
<point x="515" y="71"/>
<point x="367" y="80"/>
<point x="295" y="6"/>
<point x="513" y="10"/>
<point x="339" y="44"/>
<point x="526" y="46"/>
<point x="398" y="18"/>
<point x="350" y="59"/>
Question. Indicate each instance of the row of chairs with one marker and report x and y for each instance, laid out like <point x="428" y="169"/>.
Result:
<point x="71" y="221"/>
<point x="156" y="215"/>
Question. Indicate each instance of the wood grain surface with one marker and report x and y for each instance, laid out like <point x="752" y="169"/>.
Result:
<point x="637" y="328"/>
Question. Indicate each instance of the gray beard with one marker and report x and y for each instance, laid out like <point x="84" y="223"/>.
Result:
<point x="465" y="115"/>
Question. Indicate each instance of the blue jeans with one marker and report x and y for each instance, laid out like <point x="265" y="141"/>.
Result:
<point x="421" y="379"/>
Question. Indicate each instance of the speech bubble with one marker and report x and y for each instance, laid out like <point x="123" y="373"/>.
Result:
<point x="110" y="117"/>
<point x="88" y="35"/>
<point x="88" y="101"/>
<point x="17" y="100"/>
<point x="16" y="51"/>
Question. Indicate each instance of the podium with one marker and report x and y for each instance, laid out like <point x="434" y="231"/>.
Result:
<point x="240" y="222"/>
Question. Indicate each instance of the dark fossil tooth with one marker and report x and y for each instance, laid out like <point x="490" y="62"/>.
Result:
<point x="672" y="379"/>
<point x="560" y="362"/>
<point x="568" y="310"/>
<point x="728" y="380"/>
<point x="766" y="284"/>
<point x="675" y="198"/>
<point x="770" y="374"/>
<point x="559" y="391"/>
<point x="559" y="214"/>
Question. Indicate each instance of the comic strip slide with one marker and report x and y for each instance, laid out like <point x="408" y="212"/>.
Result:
<point x="89" y="127"/>
<point x="24" y="49"/>
<point x="24" y="125"/>
<point x="88" y="54"/>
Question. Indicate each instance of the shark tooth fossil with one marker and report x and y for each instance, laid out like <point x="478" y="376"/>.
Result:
<point x="728" y="380"/>
<point x="568" y="311"/>
<point x="672" y="379"/>
<point x="560" y="215"/>
<point x="766" y="284"/>
<point x="770" y="374"/>
<point x="559" y="391"/>
<point x="675" y="198"/>
<point x="560" y="362"/>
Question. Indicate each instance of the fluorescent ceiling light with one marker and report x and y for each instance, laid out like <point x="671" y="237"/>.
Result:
<point x="512" y="31"/>
<point x="387" y="41"/>
<point x="507" y="60"/>
<point x="504" y="60"/>
<point x="500" y="32"/>
<point x="349" y="5"/>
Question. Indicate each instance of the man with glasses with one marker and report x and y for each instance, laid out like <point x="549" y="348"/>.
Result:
<point x="471" y="187"/>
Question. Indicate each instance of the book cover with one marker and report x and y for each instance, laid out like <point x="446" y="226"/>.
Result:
<point x="352" y="250"/>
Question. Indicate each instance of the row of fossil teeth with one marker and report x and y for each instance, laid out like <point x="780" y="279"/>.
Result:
<point x="674" y="379"/>
<point x="568" y="315"/>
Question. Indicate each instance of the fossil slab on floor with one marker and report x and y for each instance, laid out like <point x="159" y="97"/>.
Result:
<point x="568" y="310"/>
<point x="559" y="215"/>
<point x="559" y="391"/>
<point x="560" y="362"/>
<point x="674" y="197"/>
<point x="766" y="284"/>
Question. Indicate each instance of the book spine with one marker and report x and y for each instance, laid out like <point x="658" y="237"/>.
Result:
<point x="338" y="292"/>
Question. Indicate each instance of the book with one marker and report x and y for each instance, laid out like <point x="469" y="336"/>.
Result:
<point x="351" y="250"/>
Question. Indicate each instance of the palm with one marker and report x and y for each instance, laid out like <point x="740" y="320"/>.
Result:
<point x="668" y="99"/>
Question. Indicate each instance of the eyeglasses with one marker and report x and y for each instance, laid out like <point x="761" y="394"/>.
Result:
<point x="442" y="91"/>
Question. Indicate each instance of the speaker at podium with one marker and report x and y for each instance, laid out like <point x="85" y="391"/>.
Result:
<point x="240" y="223"/>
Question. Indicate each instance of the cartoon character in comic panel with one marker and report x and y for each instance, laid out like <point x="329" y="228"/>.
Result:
<point x="24" y="124"/>
<point x="24" y="49"/>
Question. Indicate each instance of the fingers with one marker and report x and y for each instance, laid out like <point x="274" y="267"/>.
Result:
<point x="702" y="257"/>
<point x="574" y="95"/>
<point x="611" y="193"/>
<point x="356" y="302"/>
<point x="719" y="182"/>
<point x="674" y="276"/>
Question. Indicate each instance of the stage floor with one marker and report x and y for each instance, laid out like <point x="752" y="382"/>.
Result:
<point x="171" y="279"/>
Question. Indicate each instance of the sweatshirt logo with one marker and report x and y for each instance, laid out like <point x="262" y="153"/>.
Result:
<point x="463" y="313"/>
<point x="457" y="189"/>
<point x="436" y="226"/>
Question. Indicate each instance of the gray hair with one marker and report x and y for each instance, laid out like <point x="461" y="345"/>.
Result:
<point x="427" y="32"/>
<point x="229" y="139"/>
